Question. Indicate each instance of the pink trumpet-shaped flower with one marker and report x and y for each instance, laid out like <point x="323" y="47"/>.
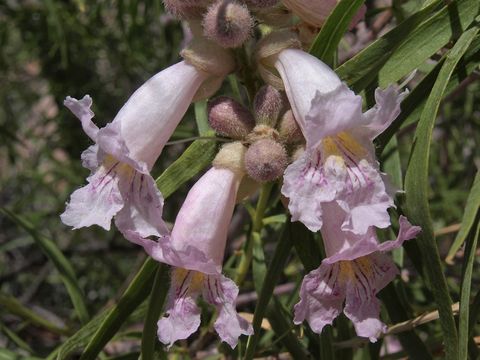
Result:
<point x="196" y="248"/>
<point x="125" y="150"/>
<point x="355" y="270"/>
<point x="339" y="162"/>
<point x="315" y="12"/>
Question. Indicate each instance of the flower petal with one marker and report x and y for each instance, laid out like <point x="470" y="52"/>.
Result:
<point x="182" y="311"/>
<point x="81" y="109"/>
<point x="304" y="76"/>
<point x="372" y="273"/>
<point x="222" y="293"/>
<point x="143" y="207"/>
<point x="308" y="184"/>
<point x="321" y="298"/>
<point x="97" y="202"/>
<point x="331" y="113"/>
<point x="385" y="111"/>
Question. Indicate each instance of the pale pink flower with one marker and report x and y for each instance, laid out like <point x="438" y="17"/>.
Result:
<point x="315" y="12"/>
<point x="125" y="150"/>
<point x="339" y="162"/>
<point x="196" y="248"/>
<point x="355" y="270"/>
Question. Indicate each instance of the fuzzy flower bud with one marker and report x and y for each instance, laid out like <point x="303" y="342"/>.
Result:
<point x="228" y="23"/>
<point x="267" y="105"/>
<point x="261" y="131"/>
<point x="231" y="156"/>
<point x="230" y="118"/>
<point x="289" y="130"/>
<point x="185" y="10"/>
<point x="265" y="160"/>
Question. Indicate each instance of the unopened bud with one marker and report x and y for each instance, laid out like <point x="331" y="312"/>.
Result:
<point x="259" y="4"/>
<point x="290" y="132"/>
<point x="185" y="10"/>
<point x="228" y="23"/>
<point x="265" y="160"/>
<point x="267" y="105"/>
<point x="231" y="156"/>
<point x="230" y="118"/>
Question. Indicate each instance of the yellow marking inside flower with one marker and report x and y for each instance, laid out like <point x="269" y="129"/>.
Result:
<point x="330" y="147"/>
<point x="196" y="278"/>
<point x="351" y="144"/>
<point x="121" y="168"/>
<point x="348" y="269"/>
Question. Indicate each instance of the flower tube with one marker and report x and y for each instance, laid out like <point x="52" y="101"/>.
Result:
<point x="126" y="149"/>
<point x="339" y="162"/>
<point x="355" y="270"/>
<point x="196" y="249"/>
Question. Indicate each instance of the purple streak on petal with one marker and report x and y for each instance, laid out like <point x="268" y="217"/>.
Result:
<point x="97" y="202"/>
<point x="321" y="297"/>
<point x="182" y="311"/>
<point x="143" y="207"/>
<point x="331" y="113"/>
<point x="222" y="293"/>
<point x="308" y="184"/>
<point x="361" y="305"/>
<point x="81" y="109"/>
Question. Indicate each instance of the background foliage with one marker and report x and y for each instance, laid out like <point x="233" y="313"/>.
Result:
<point x="64" y="293"/>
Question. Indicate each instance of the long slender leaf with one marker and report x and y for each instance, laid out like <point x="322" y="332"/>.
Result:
<point x="61" y="263"/>
<point x="416" y="184"/>
<point x="136" y="292"/>
<point x="463" y="322"/>
<point x="408" y="45"/>
<point x="155" y="305"/>
<point x="274" y="271"/>
<point x="326" y="43"/>
<point x="471" y="211"/>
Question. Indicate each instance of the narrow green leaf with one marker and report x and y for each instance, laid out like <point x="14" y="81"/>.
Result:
<point x="307" y="248"/>
<point x="259" y="267"/>
<point x="201" y="118"/>
<point x="198" y="155"/>
<point x="274" y="271"/>
<point x="15" y="307"/>
<point x="136" y="292"/>
<point x="471" y="211"/>
<point x="155" y="305"/>
<point x="61" y="263"/>
<point x="413" y="104"/>
<point x="463" y="322"/>
<point x="282" y="326"/>
<point x="402" y="49"/>
<point x="326" y="43"/>
<point x="416" y="185"/>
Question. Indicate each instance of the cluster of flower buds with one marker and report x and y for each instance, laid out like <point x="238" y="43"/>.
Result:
<point x="304" y="128"/>
<point x="270" y="132"/>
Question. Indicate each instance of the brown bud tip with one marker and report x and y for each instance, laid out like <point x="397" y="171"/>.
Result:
<point x="230" y="118"/>
<point x="267" y="105"/>
<point x="265" y="160"/>
<point x="228" y="23"/>
<point x="259" y="4"/>
<point x="290" y="132"/>
<point x="185" y="10"/>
